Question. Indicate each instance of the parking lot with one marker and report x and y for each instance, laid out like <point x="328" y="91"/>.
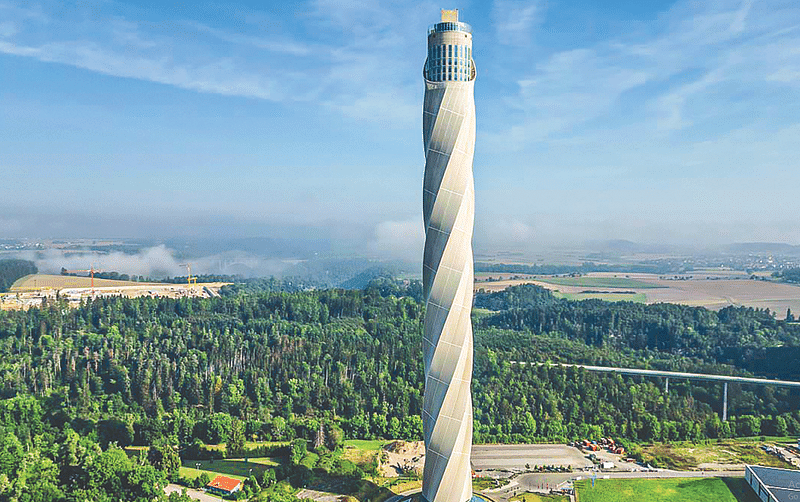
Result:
<point x="522" y="457"/>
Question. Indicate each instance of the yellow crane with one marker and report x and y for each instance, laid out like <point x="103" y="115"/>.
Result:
<point x="190" y="279"/>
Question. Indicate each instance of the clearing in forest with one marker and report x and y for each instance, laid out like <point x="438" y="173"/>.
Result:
<point x="232" y="467"/>
<point x="362" y="452"/>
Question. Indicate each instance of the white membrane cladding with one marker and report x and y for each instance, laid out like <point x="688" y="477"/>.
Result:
<point x="449" y="209"/>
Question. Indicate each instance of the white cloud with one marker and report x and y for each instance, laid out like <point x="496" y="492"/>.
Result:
<point x="157" y="262"/>
<point x="339" y="70"/>
<point x="220" y="77"/>
<point x="374" y="72"/>
<point x="154" y="261"/>
<point x="402" y="239"/>
<point x="510" y="232"/>
<point x="514" y="21"/>
<point x="740" y="50"/>
<point x="738" y="24"/>
<point x="672" y="104"/>
<point x="9" y="226"/>
<point x="7" y="29"/>
<point x="277" y="44"/>
<point x="785" y="75"/>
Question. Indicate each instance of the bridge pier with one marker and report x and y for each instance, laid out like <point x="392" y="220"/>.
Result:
<point x="725" y="401"/>
<point x="666" y="385"/>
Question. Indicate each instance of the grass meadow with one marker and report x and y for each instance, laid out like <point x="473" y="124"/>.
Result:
<point x="609" y="297"/>
<point x="598" y="282"/>
<point x="664" y="490"/>
<point x="231" y="467"/>
<point x="535" y="497"/>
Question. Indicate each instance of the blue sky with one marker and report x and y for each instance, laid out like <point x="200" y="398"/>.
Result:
<point x="673" y="122"/>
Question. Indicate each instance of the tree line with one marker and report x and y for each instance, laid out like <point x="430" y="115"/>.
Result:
<point x="741" y="337"/>
<point x="13" y="269"/>
<point x="791" y="275"/>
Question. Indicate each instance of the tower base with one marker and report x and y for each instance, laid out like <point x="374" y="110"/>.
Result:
<point x="417" y="497"/>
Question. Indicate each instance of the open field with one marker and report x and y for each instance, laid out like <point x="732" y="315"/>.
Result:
<point x="33" y="290"/>
<point x="710" y="289"/>
<point x="609" y="297"/>
<point x="724" y="455"/>
<point x="589" y="281"/>
<point x="38" y="282"/>
<point x="231" y="467"/>
<point x="362" y="451"/>
<point x="366" y="444"/>
<point x="399" y="484"/>
<point x="662" y="490"/>
<point x="534" y="497"/>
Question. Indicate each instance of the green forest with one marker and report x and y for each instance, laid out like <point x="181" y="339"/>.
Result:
<point x="12" y="269"/>
<point x="305" y="370"/>
<point x="791" y="275"/>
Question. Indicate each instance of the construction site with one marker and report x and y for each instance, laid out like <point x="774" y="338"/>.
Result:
<point x="35" y="290"/>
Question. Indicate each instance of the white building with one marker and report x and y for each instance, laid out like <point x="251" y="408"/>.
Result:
<point x="772" y="484"/>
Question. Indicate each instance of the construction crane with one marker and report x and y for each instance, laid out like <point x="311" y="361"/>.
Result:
<point x="190" y="279"/>
<point x="91" y="272"/>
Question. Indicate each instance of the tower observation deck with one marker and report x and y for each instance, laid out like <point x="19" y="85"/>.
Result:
<point x="448" y="131"/>
<point x="449" y="50"/>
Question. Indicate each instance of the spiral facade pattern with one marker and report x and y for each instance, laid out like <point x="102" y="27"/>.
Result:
<point x="448" y="208"/>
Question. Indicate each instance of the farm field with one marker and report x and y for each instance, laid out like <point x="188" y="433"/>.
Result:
<point x="709" y="289"/>
<point x="32" y="290"/>
<point x="664" y="490"/>
<point x="37" y="282"/>
<point x="609" y="297"/>
<point x="590" y="281"/>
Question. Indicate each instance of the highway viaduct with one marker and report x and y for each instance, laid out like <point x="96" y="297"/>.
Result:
<point x="725" y="379"/>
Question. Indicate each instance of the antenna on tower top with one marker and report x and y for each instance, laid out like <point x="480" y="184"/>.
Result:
<point x="450" y="16"/>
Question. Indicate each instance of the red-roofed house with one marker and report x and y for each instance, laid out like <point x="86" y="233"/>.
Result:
<point x="224" y="485"/>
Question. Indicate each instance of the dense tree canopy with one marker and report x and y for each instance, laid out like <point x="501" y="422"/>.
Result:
<point x="12" y="269"/>
<point x="319" y="366"/>
<point x="739" y="336"/>
<point x="789" y="275"/>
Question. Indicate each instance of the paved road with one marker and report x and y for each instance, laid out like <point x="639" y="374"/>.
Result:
<point x="195" y="494"/>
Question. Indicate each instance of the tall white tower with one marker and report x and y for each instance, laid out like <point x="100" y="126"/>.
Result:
<point x="448" y="131"/>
